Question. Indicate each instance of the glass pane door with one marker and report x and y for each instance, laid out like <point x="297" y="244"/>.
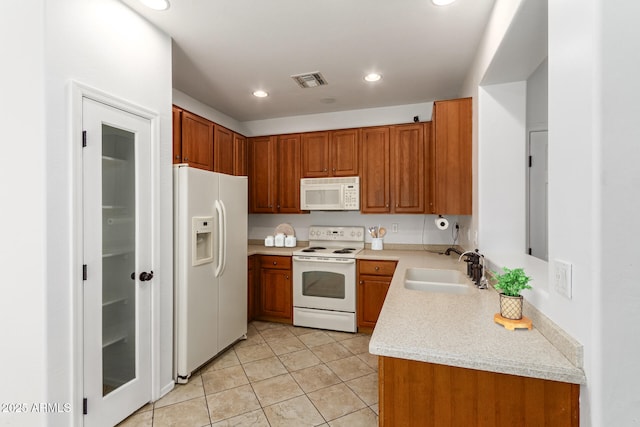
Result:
<point x="118" y="258"/>
<point x="118" y="262"/>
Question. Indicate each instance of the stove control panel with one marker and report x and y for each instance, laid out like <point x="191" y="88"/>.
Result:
<point x="346" y="234"/>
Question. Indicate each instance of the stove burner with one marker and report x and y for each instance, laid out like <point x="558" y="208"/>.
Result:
<point x="313" y="249"/>
<point x="343" y="251"/>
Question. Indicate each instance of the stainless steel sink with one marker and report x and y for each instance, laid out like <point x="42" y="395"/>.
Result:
<point x="435" y="280"/>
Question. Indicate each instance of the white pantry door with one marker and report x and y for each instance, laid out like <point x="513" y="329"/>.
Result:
<point x="117" y="254"/>
<point x="538" y="194"/>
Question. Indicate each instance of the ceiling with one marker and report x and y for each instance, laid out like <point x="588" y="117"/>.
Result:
<point x="223" y="50"/>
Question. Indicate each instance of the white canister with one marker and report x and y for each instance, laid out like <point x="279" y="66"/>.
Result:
<point x="290" y="241"/>
<point x="268" y="241"/>
<point x="376" y="243"/>
<point x="279" y="240"/>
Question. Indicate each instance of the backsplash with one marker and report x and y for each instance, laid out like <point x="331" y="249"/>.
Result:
<point x="412" y="229"/>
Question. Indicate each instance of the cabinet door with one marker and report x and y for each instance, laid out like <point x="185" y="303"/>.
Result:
<point x="374" y="186"/>
<point x="288" y="173"/>
<point x="223" y="150"/>
<point x="262" y="174"/>
<point x="315" y="154"/>
<point x="408" y="168"/>
<point x="197" y="141"/>
<point x="344" y="152"/>
<point x="239" y="155"/>
<point x="452" y="139"/>
<point x="276" y="294"/>
<point x="252" y="295"/>
<point x="177" y="134"/>
<point x="372" y="290"/>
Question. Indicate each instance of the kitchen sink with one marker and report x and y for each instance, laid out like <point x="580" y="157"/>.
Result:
<point x="435" y="280"/>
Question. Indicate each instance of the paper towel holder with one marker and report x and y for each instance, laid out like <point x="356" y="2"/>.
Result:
<point x="442" y="223"/>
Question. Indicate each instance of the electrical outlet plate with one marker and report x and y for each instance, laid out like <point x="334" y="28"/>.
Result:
<point x="562" y="277"/>
<point x="394" y="227"/>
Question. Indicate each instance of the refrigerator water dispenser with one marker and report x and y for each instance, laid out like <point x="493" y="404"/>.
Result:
<point x="202" y="231"/>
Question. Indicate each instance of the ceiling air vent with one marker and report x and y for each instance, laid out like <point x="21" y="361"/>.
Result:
<point x="307" y="80"/>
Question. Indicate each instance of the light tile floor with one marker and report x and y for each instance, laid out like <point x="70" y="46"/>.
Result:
<point x="281" y="375"/>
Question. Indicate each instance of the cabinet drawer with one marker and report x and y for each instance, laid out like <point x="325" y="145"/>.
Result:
<point x="379" y="268"/>
<point x="275" y="261"/>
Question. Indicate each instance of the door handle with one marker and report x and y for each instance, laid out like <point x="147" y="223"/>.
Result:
<point x="144" y="276"/>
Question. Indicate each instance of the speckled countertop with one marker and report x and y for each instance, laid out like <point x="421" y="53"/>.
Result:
<point x="458" y="330"/>
<point x="454" y="330"/>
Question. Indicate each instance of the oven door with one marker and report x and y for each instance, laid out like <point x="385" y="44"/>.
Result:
<point x="324" y="283"/>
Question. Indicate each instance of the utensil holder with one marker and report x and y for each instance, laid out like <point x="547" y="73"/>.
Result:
<point x="376" y="243"/>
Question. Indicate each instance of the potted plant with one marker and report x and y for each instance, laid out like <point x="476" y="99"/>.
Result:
<point x="510" y="284"/>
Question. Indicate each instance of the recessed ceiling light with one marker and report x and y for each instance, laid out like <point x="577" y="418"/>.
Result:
<point x="442" y="2"/>
<point x="156" y="4"/>
<point x="260" y="94"/>
<point x="372" y="77"/>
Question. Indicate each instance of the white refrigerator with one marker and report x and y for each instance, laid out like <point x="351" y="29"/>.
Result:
<point x="210" y="265"/>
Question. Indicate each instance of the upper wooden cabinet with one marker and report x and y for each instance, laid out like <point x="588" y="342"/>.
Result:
<point x="332" y="153"/>
<point x="452" y="175"/>
<point x="197" y="141"/>
<point x="239" y="155"/>
<point x="207" y="145"/>
<point x="274" y="174"/>
<point x="375" y="187"/>
<point x="288" y="173"/>
<point x="408" y="167"/>
<point x="177" y="134"/>
<point x="394" y="166"/>
<point x="223" y="158"/>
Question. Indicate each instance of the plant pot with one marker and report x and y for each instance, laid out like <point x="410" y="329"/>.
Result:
<point x="511" y="307"/>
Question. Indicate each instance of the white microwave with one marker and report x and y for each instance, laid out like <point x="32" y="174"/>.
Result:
<point x="330" y="194"/>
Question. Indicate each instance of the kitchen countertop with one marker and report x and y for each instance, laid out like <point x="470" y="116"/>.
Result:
<point x="454" y="330"/>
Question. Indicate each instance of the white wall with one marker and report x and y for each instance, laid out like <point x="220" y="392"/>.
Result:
<point x="23" y="350"/>
<point x="194" y="106"/>
<point x="618" y="290"/>
<point x="538" y="98"/>
<point x="103" y="44"/>
<point x="341" y="120"/>
<point x="412" y="229"/>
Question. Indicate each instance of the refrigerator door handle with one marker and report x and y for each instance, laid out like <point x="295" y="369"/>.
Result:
<point x="222" y="238"/>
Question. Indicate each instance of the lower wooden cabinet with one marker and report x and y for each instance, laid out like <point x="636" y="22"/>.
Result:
<point x="425" y="394"/>
<point x="252" y="291"/>
<point x="374" y="278"/>
<point x="275" y="289"/>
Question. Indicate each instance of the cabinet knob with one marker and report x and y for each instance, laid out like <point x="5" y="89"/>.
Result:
<point x="178" y="157"/>
<point x="377" y="268"/>
<point x="287" y="277"/>
<point x="324" y="170"/>
<point x="361" y="282"/>
<point x="275" y="262"/>
<point x="186" y="159"/>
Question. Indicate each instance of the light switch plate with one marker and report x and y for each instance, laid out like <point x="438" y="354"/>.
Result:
<point x="562" y="277"/>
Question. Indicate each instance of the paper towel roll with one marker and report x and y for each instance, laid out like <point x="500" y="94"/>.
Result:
<point x="442" y="223"/>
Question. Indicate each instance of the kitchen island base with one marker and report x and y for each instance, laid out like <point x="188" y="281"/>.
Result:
<point x="414" y="393"/>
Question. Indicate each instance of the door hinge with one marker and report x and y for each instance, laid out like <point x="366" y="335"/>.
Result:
<point x="84" y="138"/>
<point x="84" y="406"/>
<point x="530" y="160"/>
<point x="84" y="271"/>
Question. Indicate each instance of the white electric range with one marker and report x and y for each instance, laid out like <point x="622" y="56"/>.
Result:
<point x="324" y="278"/>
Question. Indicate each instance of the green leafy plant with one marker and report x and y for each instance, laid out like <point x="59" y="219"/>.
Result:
<point x="512" y="282"/>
